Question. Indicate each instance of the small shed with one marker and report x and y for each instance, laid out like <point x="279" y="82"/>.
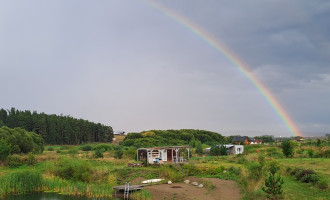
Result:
<point x="234" y="149"/>
<point x="160" y="155"/>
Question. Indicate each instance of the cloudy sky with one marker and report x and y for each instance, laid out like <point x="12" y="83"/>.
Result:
<point x="129" y="65"/>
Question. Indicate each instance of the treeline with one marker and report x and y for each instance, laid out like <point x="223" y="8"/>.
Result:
<point x="19" y="141"/>
<point x="172" y="137"/>
<point x="56" y="129"/>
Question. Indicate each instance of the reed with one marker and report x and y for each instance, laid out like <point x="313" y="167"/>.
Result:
<point x="20" y="182"/>
<point x="96" y="190"/>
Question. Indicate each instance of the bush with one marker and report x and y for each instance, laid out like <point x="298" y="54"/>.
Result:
<point x="323" y="184"/>
<point x="118" y="152"/>
<point x="31" y="159"/>
<point x="75" y="170"/>
<point x="130" y="152"/>
<point x="301" y="173"/>
<point x="50" y="149"/>
<point x="4" y="150"/>
<point x="105" y="147"/>
<point x="310" y="178"/>
<point x="255" y="170"/>
<point x="15" y="161"/>
<point x="15" y="149"/>
<point x="63" y="148"/>
<point x="86" y="148"/>
<point x="288" y="148"/>
<point x="58" y="151"/>
<point x="172" y="172"/>
<point x="199" y="148"/>
<point x="236" y="171"/>
<point x="98" y="153"/>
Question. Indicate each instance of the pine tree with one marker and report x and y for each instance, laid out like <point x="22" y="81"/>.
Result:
<point x="273" y="184"/>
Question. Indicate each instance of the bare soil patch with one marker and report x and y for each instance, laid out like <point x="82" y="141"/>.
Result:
<point x="223" y="190"/>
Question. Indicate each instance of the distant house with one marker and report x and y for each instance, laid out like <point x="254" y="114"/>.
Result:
<point x="160" y="155"/>
<point x="244" y="139"/>
<point x="256" y="141"/>
<point x="231" y="149"/>
<point x="299" y="139"/>
<point x="119" y="133"/>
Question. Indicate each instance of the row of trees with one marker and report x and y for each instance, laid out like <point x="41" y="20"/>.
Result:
<point x="172" y="137"/>
<point x="56" y="129"/>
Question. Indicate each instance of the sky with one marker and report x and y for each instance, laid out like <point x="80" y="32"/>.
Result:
<point x="129" y="65"/>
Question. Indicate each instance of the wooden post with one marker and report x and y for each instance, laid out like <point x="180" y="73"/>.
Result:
<point x="188" y="153"/>
<point x="172" y="154"/>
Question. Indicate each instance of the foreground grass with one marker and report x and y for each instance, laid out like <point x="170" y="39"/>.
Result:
<point x="301" y="191"/>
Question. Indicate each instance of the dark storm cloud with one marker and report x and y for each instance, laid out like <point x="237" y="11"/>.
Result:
<point x="126" y="64"/>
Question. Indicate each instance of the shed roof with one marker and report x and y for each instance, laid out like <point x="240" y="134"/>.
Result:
<point x="169" y="147"/>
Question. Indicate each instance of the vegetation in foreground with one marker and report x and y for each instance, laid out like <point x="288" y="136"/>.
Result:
<point x="289" y="170"/>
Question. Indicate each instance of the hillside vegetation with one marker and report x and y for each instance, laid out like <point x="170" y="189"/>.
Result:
<point x="56" y="129"/>
<point x="172" y="137"/>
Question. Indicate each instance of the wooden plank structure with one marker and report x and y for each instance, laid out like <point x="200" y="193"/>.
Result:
<point x="159" y="155"/>
<point x="127" y="189"/>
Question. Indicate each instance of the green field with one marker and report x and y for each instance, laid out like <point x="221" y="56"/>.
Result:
<point x="94" y="177"/>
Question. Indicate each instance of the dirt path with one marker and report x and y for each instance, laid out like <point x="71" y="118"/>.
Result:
<point x="180" y="191"/>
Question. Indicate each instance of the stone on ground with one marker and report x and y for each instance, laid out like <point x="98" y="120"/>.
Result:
<point x="194" y="183"/>
<point x="169" y="182"/>
<point x="187" y="181"/>
<point x="200" y="186"/>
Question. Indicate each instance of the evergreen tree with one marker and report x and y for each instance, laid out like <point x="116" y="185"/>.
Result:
<point x="273" y="184"/>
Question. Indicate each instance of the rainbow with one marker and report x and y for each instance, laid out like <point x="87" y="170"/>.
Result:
<point x="214" y="42"/>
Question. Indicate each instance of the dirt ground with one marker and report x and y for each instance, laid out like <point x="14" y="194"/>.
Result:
<point x="223" y="190"/>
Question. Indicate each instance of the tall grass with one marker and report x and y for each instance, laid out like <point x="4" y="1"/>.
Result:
<point x="20" y="182"/>
<point x="55" y="184"/>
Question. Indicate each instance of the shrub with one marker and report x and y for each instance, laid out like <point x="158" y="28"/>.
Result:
<point x="241" y="160"/>
<point x="199" y="148"/>
<point x="75" y="170"/>
<point x="14" y="161"/>
<point x="4" y="150"/>
<point x="31" y="159"/>
<point x="255" y="170"/>
<point x="63" y="148"/>
<point x="118" y="152"/>
<point x="50" y="149"/>
<point x="288" y="147"/>
<point x="323" y="184"/>
<point x="86" y="148"/>
<point x="58" y="151"/>
<point x="301" y="173"/>
<point x="172" y="172"/>
<point x="105" y="147"/>
<point x="15" y="149"/>
<point x="236" y="171"/>
<point x="130" y="152"/>
<point x="98" y="153"/>
<point x="310" y="178"/>
<point x="73" y="152"/>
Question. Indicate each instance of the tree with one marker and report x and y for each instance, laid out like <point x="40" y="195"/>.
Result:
<point x="199" y="148"/>
<point x="118" y="152"/>
<point x="215" y="150"/>
<point x="273" y="184"/>
<point x="4" y="150"/>
<point x="288" y="147"/>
